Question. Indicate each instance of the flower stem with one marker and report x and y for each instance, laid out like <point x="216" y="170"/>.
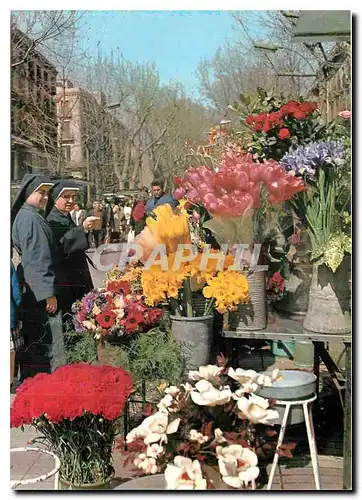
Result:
<point x="210" y="306"/>
<point x="188" y="297"/>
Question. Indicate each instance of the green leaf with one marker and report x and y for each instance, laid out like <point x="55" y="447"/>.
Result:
<point x="245" y="99"/>
<point x="334" y="251"/>
<point x="261" y="93"/>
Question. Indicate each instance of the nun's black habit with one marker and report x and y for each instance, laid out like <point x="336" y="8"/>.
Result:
<point x="34" y="241"/>
<point x="72" y="241"/>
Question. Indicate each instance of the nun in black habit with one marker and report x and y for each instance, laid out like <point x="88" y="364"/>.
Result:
<point x="72" y="241"/>
<point x="38" y="272"/>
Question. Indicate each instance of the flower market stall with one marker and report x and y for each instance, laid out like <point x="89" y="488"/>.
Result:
<point x="263" y="228"/>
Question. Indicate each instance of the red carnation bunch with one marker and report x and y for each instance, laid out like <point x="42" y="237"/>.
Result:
<point x="70" y="392"/>
<point x="140" y="317"/>
<point x="118" y="286"/>
<point x="76" y="410"/>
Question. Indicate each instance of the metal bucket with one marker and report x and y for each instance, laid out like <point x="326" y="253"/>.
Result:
<point x="195" y="336"/>
<point x="252" y="316"/>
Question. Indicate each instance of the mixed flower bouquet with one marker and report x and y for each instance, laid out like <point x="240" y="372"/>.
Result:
<point x="212" y="423"/>
<point x="77" y="410"/>
<point x="114" y="310"/>
<point x="319" y="208"/>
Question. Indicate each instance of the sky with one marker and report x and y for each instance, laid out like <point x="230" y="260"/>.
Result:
<point x="175" y="40"/>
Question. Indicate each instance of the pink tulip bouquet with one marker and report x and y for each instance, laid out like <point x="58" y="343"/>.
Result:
<point x="212" y="432"/>
<point x="237" y="194"/>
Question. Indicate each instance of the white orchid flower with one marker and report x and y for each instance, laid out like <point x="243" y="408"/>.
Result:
<point x="207" y="372"/>
<point x="154" y="450"/>
<point x="154" y="429"/>
<point x="237" y="465"/>
<point x="147" y="464"/>
<point x="173" y="390"/>
<point x="248" y="388"/>
<point x="184" y="474"/>
<point x="267" y="380"/>
<point x="243" y="376"/>
<point x="188" y="387"/>
<point x="165" y="403"/>
<point x="205" y="394"/>
<point x="197" y="436"/>
<point x="255" y="409"/>
<point x="219" y="436"/>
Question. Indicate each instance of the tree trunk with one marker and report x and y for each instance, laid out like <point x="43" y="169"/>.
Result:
<point x="147" y="166"/>
<point x="136" y="160"/>
<point x="122" y="178"/>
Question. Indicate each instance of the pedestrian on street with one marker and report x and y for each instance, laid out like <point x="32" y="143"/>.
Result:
<point x="78" y="214"/>
<point x="138" y="217"/>
<point x="159" y="197"/>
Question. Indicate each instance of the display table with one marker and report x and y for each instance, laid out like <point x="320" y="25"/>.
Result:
<point x="285" y="329"/>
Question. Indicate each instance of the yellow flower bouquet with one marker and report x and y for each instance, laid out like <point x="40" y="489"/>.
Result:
<point x="173" y="278"/>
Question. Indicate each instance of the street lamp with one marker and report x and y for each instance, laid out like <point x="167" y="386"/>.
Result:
<point x="272" y="47"/>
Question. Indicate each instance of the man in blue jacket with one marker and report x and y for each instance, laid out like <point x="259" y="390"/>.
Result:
<point x="159" y="197"/>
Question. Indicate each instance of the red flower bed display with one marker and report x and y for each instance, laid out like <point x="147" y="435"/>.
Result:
<point x="70" y="392"/>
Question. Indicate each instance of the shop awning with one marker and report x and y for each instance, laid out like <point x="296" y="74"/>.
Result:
<point x="323" y="26"/>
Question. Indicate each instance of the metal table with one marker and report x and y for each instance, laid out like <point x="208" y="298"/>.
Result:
<point x="289" y="330"/>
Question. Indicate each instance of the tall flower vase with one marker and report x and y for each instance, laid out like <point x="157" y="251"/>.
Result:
<point x="195" y="336"/>
<point x="297" y="282"/>
<point x="252" y="316"/>
<point x="329" y="300"/>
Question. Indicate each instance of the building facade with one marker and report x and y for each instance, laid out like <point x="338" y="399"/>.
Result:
<point x="86" y="130"/>
<point x="333" y="87"/>
<point x="33" y="109"/>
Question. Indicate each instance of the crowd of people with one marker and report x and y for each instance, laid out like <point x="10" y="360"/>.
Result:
<point x="51" y="232"/>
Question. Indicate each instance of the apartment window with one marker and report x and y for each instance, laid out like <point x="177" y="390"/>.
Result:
<point x="65" y="109"/>
<point x="67" y="154"/>
<point x="66" y="130"/>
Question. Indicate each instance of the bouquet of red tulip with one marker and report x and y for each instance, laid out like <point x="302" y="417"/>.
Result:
<point x="234" y="193"/>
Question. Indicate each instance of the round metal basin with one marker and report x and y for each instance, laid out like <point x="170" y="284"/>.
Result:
<point x="295" y="385"/>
